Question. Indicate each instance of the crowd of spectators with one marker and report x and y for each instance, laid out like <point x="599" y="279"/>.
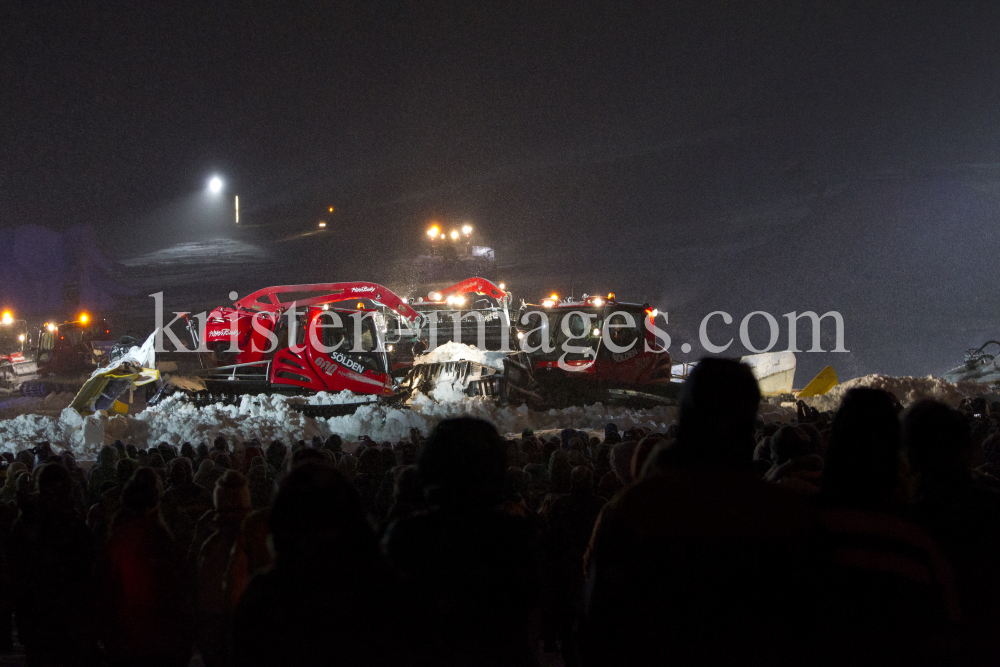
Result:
<point x="866" y="536"/>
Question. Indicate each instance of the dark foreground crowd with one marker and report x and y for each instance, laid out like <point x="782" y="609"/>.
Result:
<point x="869" y="536"/>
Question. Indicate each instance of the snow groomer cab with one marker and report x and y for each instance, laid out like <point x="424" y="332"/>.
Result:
<point x="596" y="349"/>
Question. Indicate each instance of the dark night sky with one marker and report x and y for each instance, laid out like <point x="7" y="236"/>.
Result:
<point x="702" y="155"/>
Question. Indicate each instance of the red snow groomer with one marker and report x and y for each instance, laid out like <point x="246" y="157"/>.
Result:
<point x="293" y="339"/>
<point x="581" y="352"/>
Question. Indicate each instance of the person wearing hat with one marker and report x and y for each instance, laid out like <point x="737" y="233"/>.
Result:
<point x="697" y="563"/>
<point x="231" y="498"/>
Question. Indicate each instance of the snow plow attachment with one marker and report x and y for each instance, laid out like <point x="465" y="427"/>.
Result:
<point x="453" y="378"/>
<point x="824" y="381"/>
<point x="12" y="368"/>
<point x="106" y="386"/>
<point x="544" y="388"/>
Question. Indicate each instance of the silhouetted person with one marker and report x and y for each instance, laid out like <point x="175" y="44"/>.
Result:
<point x="325" y="599"/>
<point x="513" y="492"/>
<point x="368" y="479"/>
<point x="346" y="466"/>
<point x="104" y="471"/>
<point x="10" y="483"/>
<point x="559" y="473"/>
<point x="250" y="452"/>
<point x="700" y="562"/>
<point x="471" y="568"/>
<point x="537" y="485"/>
<point x="52" y="559"/>
<point x="201" y="453"/>
<point x="408" y="494"/>
<point x="146" y="607"/>
<point x="250" y="555"/>
<point x="207" y="474"/>
<point x="215" y="536"/>
<point x="184" y="502"/>
<point x="571" y="520"/>
<point x="890" y="588"/>
<point x="262" y="489"/>
<point x="108" y="501"/>
<point x="795" y="465"/>
<point x="275" y="456"/>
<point x="167" y="452"/>
<point x="960" y="511"/>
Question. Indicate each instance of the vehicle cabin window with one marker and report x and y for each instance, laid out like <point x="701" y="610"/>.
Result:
<point x="393" y="329"/>
<point x="332" y="336"/>
<point x="300" y="331"/>
<point x="368" y="338"/>
<point x="621" y="334"/>
<point x="577" y="325"/>
<point x="344" y="335"/>
<point x="537" y="324"/>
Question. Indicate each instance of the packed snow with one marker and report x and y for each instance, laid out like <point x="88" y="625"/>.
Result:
<point x="452" y="351"/>
<point x="274" y="417"/>
<point x="908" y="390"/>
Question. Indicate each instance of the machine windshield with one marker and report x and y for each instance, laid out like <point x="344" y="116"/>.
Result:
<point x="344" y="335"/>
<point x="548" y="326"/>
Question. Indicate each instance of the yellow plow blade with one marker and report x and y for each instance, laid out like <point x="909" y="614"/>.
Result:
<point x="824" y="381"/>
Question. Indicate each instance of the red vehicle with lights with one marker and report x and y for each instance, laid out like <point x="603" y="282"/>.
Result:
<point x="325" y="337"/>
<point x="595" y="349"/>
<point x="292" y="339"/>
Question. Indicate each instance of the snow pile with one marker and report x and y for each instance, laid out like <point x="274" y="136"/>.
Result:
<point x="907" y="389"/>
<point x="382" y="423"/>
<point x="448" y="389"/>
<point x="335" y="398"/>
<point x="452" y="351"/>
<point x="263" y="417"/>
<point x="82" y="435"/>
<point x="274" y="417"/>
